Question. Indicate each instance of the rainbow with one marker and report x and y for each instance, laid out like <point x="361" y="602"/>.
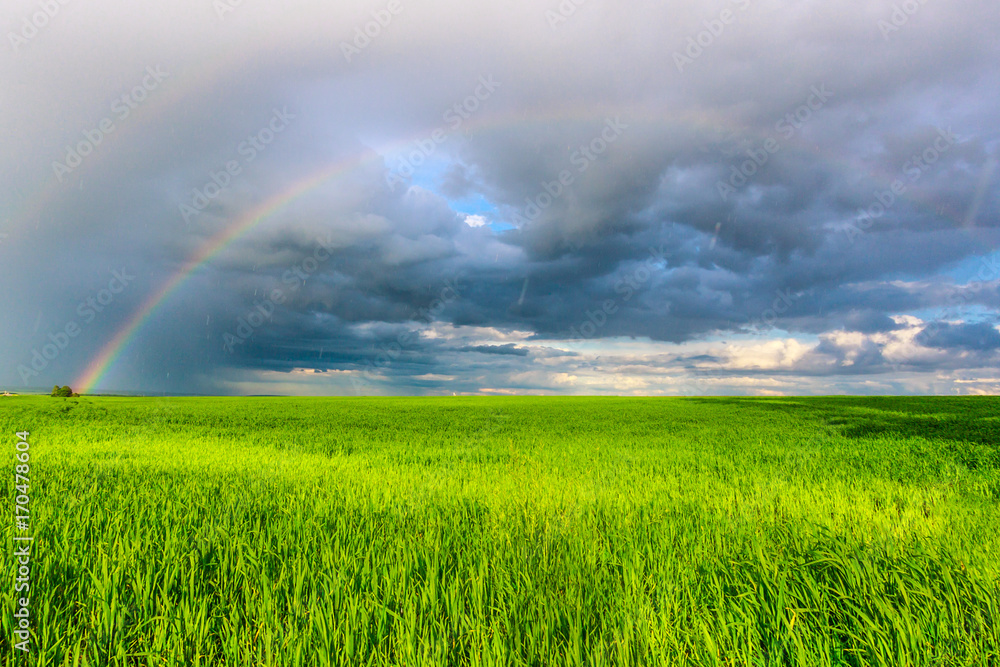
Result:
<point x="113" y="349"/>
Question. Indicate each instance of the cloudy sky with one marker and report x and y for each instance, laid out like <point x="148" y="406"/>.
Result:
<point x="579" y="197"/>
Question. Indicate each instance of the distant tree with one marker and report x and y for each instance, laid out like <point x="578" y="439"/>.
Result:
<point x="55" y="390"/>
<point x="64" y="392"/>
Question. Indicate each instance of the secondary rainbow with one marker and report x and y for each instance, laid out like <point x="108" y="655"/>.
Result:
<point x="113" y="349"/>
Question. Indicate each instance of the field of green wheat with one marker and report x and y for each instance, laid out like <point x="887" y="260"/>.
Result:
<point x="507" y="531"/>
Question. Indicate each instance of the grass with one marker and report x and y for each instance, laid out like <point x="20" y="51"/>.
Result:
<point x="509" y="531"/>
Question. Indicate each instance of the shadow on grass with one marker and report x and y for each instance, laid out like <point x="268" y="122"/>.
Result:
<point x="970" y="419"/>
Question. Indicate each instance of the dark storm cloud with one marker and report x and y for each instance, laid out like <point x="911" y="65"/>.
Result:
<point x="979" y="336"/>
<point x="508" y="349"/>
<point x="808" y="171"/>
<point x="869" y="321"/>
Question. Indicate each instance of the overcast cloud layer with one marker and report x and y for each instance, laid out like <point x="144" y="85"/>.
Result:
<point x="585" y="197"/>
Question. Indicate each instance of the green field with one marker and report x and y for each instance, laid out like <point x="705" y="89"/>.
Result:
<point x="508" y="531"/>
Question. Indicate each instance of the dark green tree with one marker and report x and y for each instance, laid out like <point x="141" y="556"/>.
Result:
<point x="55" y="390"/>
<point x="65" y="391"/>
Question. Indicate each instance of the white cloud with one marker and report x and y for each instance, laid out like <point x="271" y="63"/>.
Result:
<point x="434" y="377"/>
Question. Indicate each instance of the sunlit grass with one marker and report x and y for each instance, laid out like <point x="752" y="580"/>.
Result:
<point x="514" y="531"/>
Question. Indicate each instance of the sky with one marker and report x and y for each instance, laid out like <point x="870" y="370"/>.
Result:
<point x="410" y="197"/>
